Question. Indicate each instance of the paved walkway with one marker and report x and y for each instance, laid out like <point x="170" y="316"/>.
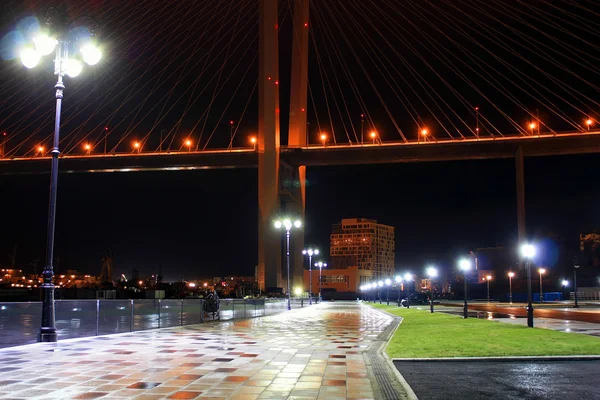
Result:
<point x="311" y="353"/>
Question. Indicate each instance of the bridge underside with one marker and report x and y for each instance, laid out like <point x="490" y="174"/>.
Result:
<point x="315" y="156"/>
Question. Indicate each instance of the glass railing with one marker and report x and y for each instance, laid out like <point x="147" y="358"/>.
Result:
<point x="20" y="321"/>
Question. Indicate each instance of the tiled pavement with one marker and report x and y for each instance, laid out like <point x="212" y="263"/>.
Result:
<point x="309" y="353"/>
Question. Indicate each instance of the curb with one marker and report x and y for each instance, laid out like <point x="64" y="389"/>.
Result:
<point x="407" y="389"/>
<point x="502" y="359"/>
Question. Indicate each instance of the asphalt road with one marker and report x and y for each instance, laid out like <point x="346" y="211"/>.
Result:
<point x="508" y="380"/>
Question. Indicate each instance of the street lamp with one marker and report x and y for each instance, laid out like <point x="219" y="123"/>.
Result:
<point x="532" y="126"/>
<point x="388" y="283"/>
<point x="310" y="253"/>
<point x="88" y="148"/>
<point x="575" y="266"/>
<point x="373" y="135"/>
<point x="287" y="224"/>
<point x="253" y="141"/>
<point x="408" y="278"/>
<point x="510" y="276"/>
<point x="380" y="285"/>
<point x="398" y="282"/>
<point x="137" y="146"/>
<point x="188" y="144"/>
<point x="528" y="251"/>
<point x="323" y="138"/>
<point x="488" y="278"/>
<point x="541" y="271"/>
<point x="431" y="273"/>
<point x="321" y="265"/>
<point x="465" y="265"/>
<point x="45" y="44"/>
<point x="565" y="283"/>
<point x="589" y="123"/>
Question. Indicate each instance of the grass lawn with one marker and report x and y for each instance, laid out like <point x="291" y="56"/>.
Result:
<point x="422" y="334"/>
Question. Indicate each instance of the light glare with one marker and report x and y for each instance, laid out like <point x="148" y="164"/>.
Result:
<point x="528" y="251"/>
<point x="44" y="45"/>
<point x="29" y="57"/>
<point x="91" y="54"/>
<point x="73" y="68"/>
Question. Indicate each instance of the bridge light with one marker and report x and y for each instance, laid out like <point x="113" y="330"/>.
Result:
<point x="532" y="126"/>
<point x="137" y="146"/>
<point x="589" y="123"/>
<point x="87" y="148"/>
<point x="424" y="132"/>
<point x="40" y="149"/>
<point x="323" y="138"/>
<point x="373" y="135"/>
<point x="188" y="144"/>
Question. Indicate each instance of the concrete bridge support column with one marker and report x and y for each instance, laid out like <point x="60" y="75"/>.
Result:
<point x="269" y="239"/>
<point x="297" y="129"/>
<point x="520" y="170"/>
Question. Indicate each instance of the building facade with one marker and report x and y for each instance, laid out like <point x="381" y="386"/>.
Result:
<point x="364" y="244"/>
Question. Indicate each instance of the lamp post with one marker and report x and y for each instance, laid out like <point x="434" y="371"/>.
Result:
<point x="287" y="224"/>
<point x="575" y="266"/>
<point x="565" y="283"/>
<point x="488" y="278"/>
<point x="510" y="276"/>
<point x="310" y="253"/>
<point x="380" y="285"/>
<point x="465" y="265"/>
<point x="45" y="44"/>
<point x="373" y="135"/>
<point x="321" y="265"/>
<point x="388" y="283"/>
<point x="431" y="273"/>
<point x="528" y="251"/>
<point x="398" y="282"/>
<point x="541" y="271"/>
<point x="408" y="278"/>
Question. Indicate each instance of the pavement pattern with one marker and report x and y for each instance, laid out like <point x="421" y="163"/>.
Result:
<point x="315" y="353"/>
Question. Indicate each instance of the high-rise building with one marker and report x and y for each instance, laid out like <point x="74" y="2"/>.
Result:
<point x="363" y="243"/>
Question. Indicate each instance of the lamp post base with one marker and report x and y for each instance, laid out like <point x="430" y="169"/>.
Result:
<point x="48" y="336"/>
<point x="530" y="315"/>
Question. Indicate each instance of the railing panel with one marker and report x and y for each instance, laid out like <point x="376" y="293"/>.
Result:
<point x="192" y="311"/>
<point x="145" y="314"/>
<point x="114" y="316"/>
<point x="19" y="323"/>
<point x="75" y="318"/>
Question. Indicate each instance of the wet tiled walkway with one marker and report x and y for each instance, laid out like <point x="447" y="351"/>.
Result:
<point x="309" y="353"/>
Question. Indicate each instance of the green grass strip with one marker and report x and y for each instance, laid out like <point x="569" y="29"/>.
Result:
<point x="423" y="335"/>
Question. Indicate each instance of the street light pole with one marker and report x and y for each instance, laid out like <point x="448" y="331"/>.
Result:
<point x="45" y="45"/>
<point x="431" y="273"/>
<point x="310" y="253"/>
<point x="398" y="282"/>
<point x="575" y="265"/>
<point x="465" y="265"/>
<point x="541" y="271"/>
<point x="408" y="278"/>
<point x="528" y="252"/>
<point x="488" y="279"/>
<point x="510" y="276"/>
<point x="287" y="224"/>
<point x="388" y="283"/>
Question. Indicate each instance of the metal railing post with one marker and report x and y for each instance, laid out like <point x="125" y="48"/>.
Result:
<point x="202" y="311"/>
<point x="97" y="316"/>
<point x="159" y="313"/>
<point x="131" y="316"/>
<point x="181" y="312"/>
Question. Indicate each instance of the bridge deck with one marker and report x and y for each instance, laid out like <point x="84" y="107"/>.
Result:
<point x="329" y="155"/>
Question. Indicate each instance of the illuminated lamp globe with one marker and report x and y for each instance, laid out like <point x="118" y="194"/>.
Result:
<point x="44" y="45"/>
<point x="73" y="68"/>
<point x="29" y="57"/>
<point x="91" y="54"/>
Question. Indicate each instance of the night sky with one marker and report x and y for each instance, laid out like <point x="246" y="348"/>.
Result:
<point x="203" y="223"/>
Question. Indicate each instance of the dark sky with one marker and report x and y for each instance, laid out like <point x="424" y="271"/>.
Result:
<point x="188" y="69"/>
